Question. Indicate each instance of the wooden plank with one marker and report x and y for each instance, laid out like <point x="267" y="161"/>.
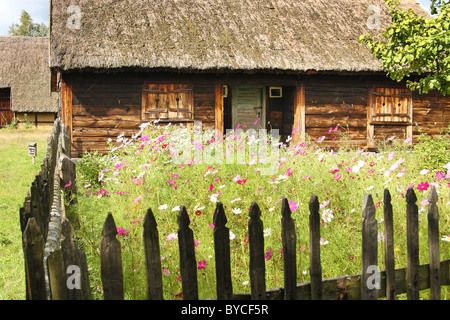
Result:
<point x="412" y="225"/>
<point x="111" y="261"/>
<point x="369" y="250"/>
<point x="224" y="285"/>
<point x="299" y="114"/>
<point x="152" y="257"/>
<point x="57" y="275"/>
<point x="433" y="244"/>
<point x="218" y="109"/>
<point x="33" y="249"/>
<point x="389" y="260"/>
<point x="315" y="266"/>
<point x="289" y="242"/>
<point x="188" y="264"/>
<point x="256" y="248"/>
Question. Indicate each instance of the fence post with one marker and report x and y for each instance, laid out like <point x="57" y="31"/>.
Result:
<point x="152" y="257"/>
<point x="412" y="225"/>
<point x="256" y="246"/>
<point x="224" y="286"/>
<point x="111" y="261"/>
<point x="57" y="276"/>
<point x="33" y="248"/>
<point x="289" y="241"/>
<point x="389" y="246"/>
<point x="369" y="251"/>
<point x="433" y="245"/>
<point x="188" y="264"/>
<point x="315" y="267"/>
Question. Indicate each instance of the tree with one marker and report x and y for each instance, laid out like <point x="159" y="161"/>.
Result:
<point x="414" y="45"/>
<point x="27" y="27"/>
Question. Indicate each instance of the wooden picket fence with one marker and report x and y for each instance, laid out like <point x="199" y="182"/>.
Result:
<point x="50" y="249"/>
<point x="409" y="280"/>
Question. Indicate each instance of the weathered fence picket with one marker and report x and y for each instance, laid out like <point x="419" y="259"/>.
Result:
<point x="389" y="260"/>
<point x="224" y="284"/>
<point x="152" y="257"/>
<point x="111" y="261"/>
<point x="256" y="248"/>
<point x="412" y="239"/>
<point x="369" y="251"/>
<point x="289" y="241"/>
<point x="433" y="245"/>
<point x="188" y="264"/>
<point x="315" y="267"/>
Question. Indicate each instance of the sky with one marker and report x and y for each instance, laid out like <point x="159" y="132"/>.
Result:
<point x="10" y="11"/>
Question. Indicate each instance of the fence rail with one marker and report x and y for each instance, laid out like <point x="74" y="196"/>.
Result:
<point x="50" y="249"/>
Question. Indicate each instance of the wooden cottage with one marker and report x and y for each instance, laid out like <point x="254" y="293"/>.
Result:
<point x="293" y="64"/>
<point x="25" y="81"/>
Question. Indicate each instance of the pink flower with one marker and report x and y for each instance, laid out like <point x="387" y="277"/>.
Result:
<point x="201" y="264"/>
<point x="242" y="181"/>
<point x="254" y="123"/>
<point x="337" y="177"/>
<point x="423" y="186"/>
<point x="439" y="175"/>
<point x="68" y="185"/>
<point x="122" y="232"/>
<point x="269" y="255"/>
<point x="137" y="199"/>
<point x="293" y="205"/>
<point x="307" y="177"/>
<point x="211" y="187"/>
<point x="289" y="171"/>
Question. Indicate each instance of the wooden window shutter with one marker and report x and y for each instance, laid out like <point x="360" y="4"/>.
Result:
<point x="167" y="102"/>
<point x="391" y="105"/>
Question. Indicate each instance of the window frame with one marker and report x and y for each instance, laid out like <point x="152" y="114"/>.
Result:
<point x="392" y="117"/>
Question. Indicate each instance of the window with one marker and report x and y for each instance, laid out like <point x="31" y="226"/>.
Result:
<point x="391" y="105"/>
<point x="167" y="102"/>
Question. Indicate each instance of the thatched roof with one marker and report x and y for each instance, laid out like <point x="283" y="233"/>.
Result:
<point x="202" y="35"/>
<point x="24" y="67"/>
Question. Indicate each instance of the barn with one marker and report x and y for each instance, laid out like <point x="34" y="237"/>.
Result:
<point x="25" y="81"/>
<point x="295" y="65"/>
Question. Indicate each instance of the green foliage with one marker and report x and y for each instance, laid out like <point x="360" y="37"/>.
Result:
<point x="434" y="152"/>
<point x="27" y="27"/>
<point x="89" y="167"/>
<point x="414" y="44"/>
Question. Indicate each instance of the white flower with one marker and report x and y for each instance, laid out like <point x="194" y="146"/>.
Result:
<point x="237" y="211"/>
<point x="369" y="188"/>
<point x="323" y="242"/>
<point x="213" y="197"/>
<point x="234" y="200"/>
<point x="163" y="207"/>
<point x="327" y="215"/>
<point x="172" y="236"/>
<point x="177" y="208"/>
<point x="232" y="235"/>
<point x="424" y="171"/>
<point x="446" y="238"/>
<point x="267" y="232"/>
<point x="245" y="283"/>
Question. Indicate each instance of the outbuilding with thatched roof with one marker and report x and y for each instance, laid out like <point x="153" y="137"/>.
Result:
<point x="295" y="65"/>
<point x="25" y="81"/>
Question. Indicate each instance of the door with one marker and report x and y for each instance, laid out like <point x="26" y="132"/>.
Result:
<point x="6" y="114"/>
<point x="248" y="107"/>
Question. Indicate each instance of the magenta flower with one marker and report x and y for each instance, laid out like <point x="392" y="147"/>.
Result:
<point x="289" y="171"/>
<point x="269" y="255"/>
<point x="137" y="199"/>
<point x="423" y="186"/>
<point x="293" y="205"/>
<point x="122" y="232"/>
<point x="439" y="175"/>
<point x="201" y="264"/>
<point x="254" y="123"/>
<point x="68" y="185"/>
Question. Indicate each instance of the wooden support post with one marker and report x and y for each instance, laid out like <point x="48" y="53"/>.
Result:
<point x="299" y="115"/>
<point x="219" y="119"/>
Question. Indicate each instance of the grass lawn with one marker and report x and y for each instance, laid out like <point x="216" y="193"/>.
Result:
<point x="16" y="175"/>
